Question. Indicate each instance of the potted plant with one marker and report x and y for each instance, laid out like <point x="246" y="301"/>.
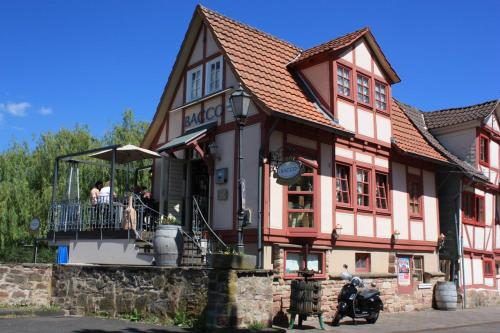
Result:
<point x="168" y="242"/>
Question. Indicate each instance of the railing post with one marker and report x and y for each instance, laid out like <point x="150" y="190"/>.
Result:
<point x="112" y="187"/>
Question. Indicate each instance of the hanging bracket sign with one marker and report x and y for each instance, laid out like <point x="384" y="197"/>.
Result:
<point x="288" y="172"/>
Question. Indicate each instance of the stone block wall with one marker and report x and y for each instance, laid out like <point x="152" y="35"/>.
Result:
<point x="25" y="284"/>
<point x="481" y="297"/>
<point x="238" y="298"/>
<point x="119" y="290"/>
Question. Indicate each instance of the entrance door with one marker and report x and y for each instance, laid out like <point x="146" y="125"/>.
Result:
<point x="200" y="186"/>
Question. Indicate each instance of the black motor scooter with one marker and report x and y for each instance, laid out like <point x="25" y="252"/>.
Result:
<point x="365" y="303"/>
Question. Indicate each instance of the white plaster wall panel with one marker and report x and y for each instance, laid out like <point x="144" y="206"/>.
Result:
<point x="383" y="227"/>
<point x="365" y="158"/>
<point x="365" y="123"/>
<point x="479" y="238"/>
<point x="462" y="143"/>
<point x="276" y="190"/>
<point x="175" y="124"/>
<point x="477" y="271"/>
<point x="489" y="282"/>
<point x="467" y="271"/>
<point x="382" y="162"/>
<point x="399" y="199"/>
<point x="364" y="225"/>
<point x="488" y="207"/>
<point x="479" y="192"/>
<point x="363" y="57"/>
<point x="211" y="106"/>
<point x="493" y="154"/>
<point x="223" y="209"/>
<point x="212" y="47"/>
<point x="489" y="239"/>
<point x="469" y="231"/>
<point x="430" y="206"/>
<point x="383" y="128"/>
<point x="250" y="169"/>
<point x="346" y="115"/>
<point x="300" y="141"/>
<point x="413" y="171"/>
<point x="318" y="76"/>
<point x="197" y="53"/>
<point x="492" y="122"/>
<point x="179" y="96"/>
<point x="112" y="251"/>
<point x="376" y="70"/>
<point x="346" y="220"/>
<point x="343" y="152"/>
<point x="326" y="188"/>
<point x="497" y="236"/>
<point x="493" y="177"/>
<point x="192" y="118"/>
<point x="417" y="230"/>
<point x="347" y="56"/>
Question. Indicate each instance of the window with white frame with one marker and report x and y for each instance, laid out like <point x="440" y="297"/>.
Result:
<point x="213" y="80"/>
<point x="193" y="84"/>
<point x="363" y="89"/>
<point x="380" y="96"/>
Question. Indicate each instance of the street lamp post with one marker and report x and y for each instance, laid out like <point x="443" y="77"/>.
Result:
<point x="240" y="101"/>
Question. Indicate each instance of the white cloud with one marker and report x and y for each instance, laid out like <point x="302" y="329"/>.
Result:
<point x="45" y="111"/>
<point x="16" y="109"/>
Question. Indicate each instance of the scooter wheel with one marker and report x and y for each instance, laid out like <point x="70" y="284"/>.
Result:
<point x="372" y="319"/>
<point x="336" y="319"/>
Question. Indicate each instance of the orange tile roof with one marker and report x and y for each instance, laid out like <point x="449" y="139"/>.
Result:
<point x="408" y="138"/>
<point x="332" y="45"/>
<point x="260" y="60"/>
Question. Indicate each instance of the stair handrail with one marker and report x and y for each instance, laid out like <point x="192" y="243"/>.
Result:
<point x="207" y="225"/>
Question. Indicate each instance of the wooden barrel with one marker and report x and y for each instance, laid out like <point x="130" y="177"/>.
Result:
<point x="445" y="294"/>
<point x="167" y="245"/>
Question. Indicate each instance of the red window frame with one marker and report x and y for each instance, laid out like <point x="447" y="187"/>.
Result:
<point x="341" y="80"/>
<point x="365" y="184"/>
<point x="473" y="208"/>
<point x="484" y="155"/>
<point x="379" y="101"/>
<point x="488" y="267"/>
<point x="415" y="195"/>
<point x="361" y="87"/>
<point x="362" y="256"/>
<point x="338" y="184"/>
<point x="322" y="263"/>
<point x="420" y="271"/>
<point x="381" y="192"/>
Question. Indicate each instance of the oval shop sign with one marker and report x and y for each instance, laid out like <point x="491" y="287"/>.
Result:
<point x="289" y="170"/>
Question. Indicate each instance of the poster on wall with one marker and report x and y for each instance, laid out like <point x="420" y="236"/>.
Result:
<point x="404" y="271"/>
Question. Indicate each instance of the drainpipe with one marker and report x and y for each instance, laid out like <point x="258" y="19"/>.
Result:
<point x="260" y="252"/>
<point x="460" y="242"/>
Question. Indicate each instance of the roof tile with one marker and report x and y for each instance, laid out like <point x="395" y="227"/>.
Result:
<point x="455" y="116"/>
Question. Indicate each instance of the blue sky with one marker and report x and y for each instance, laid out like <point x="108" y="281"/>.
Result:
<point x="68" y="62"/>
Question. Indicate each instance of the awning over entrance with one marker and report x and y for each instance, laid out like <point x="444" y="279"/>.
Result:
<point x="186" y="139"/>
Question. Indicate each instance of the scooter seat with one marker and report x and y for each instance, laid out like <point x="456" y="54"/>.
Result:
<point x="368" y="293"/>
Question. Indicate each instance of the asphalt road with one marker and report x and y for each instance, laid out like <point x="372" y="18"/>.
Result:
<point x="482" y="320"/>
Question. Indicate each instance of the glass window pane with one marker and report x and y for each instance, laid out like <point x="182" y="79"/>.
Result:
<point x="304" y="183"/>
<point x="297" y="201"/>
<point x="313" y="262"/>
<point x="293" y="262"/>
<point x="301" y="219"/>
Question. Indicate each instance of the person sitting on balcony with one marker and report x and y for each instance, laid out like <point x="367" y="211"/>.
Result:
<point x="104" y="193"/>
<point x="94" y="192"/>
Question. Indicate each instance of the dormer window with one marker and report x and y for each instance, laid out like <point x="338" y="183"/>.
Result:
<point x="214" y="76"/>
<point x="484" y="144"/>
<point x="344" y="80"/>
<point x="193" y="86"/>
<point x="363" y="89"/>
<point x="380" y="96"/>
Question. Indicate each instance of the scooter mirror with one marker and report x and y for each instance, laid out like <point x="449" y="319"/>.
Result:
<point x="373" y="284"/>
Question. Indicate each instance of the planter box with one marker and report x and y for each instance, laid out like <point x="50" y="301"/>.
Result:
<point x="231" y="261"/>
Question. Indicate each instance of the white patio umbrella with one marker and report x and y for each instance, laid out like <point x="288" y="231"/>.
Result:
<point x="126" y="154"/>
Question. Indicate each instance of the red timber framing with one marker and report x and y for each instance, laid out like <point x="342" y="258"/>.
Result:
<point x="484" y="136"/>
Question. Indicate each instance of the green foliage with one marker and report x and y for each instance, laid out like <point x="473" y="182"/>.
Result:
<point x="26" y="180"/>
<point x="256" y="325"/>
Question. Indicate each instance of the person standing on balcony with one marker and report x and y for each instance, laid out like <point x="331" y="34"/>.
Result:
<point x="94" y="192"/>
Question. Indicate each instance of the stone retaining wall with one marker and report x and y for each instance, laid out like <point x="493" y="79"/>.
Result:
<point x="116" y="290"/>
<point x="25" y="284"/>
<point x="419" y="299"/>
<point x="238" y="298"/>
<point x="482" y="297"/>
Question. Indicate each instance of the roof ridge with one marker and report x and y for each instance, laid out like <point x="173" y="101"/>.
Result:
<point x="366" y="28"/>
<point x="462" y="107"/>
<point x="211" y="11"/>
